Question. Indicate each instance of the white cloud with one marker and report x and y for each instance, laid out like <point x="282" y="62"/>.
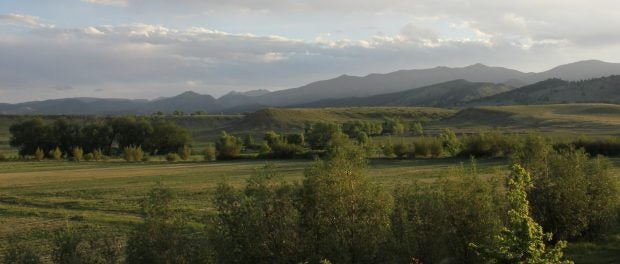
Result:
<point x="21" y="19"/>
<point x="107" y="2"/>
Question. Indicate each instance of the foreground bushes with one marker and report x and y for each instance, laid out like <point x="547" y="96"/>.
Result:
<point x="339" y="214"/>
<point x="573" y="195"/>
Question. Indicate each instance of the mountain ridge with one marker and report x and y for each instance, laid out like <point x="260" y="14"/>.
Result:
<point x="341" y="87"/>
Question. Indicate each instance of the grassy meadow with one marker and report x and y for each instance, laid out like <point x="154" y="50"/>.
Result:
<point x="37" y="198"/>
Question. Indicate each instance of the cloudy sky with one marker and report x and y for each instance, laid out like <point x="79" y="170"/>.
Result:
<point x="153" y="48"/>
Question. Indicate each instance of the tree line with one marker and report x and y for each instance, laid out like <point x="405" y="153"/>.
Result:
<point x="109" y="136"/>
<point x="338" y="214"/>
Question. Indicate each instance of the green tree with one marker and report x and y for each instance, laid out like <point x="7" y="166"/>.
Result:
<point x="210" y="152"/>
<point x="573" y="195"/>
<point x="228" y="146"/>
<point x="39" y="154"/>
<point x="166" y="137"/>
<point x="388" y="148"/>
<point x="78" y="154"/>
<point x="56" y="154"/>
<point x="164" y="236"/>
<point x="418" y="129"/>
<point x="345" y="216"/>
<point x="259" y="224"/>
<point x="29" y="135"/>
<point x="401" y="149"/>
<point x="450" y="142"/>
<point x="437" y="223"/>
<point x="319" y="135"/>
<point x="522" y="240"/>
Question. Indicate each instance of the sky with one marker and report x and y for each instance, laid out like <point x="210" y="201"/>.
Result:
<point x="154" y="48"/>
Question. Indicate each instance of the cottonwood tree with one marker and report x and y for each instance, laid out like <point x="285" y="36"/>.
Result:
<point x="522" y="240"/>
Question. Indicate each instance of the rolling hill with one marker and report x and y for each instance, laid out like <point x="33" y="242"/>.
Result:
<point x="452" y="93"/>
<point x="553" y="91"/>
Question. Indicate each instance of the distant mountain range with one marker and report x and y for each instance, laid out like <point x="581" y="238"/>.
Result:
<point x="477" y="84"/>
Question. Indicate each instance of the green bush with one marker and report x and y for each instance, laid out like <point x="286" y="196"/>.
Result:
<point x="401" y="149"/>
<point x="345" y="216"/>
<point x="210" y="153"/>
<point x="522" y="240"/>
<point x="164" y="236"/>
<point x="89" y="157"/>
<point x="21" y="253"/>
<point x="133" y="153"/>
<point x="450" y="142"/>
<point x="388" y="148"/>
<point x="172" y="157"/>
<point x="39" y="155"/>
<point x="261" y="221"/>
<point x="573" y="196"/>
<point x="56" y="154"/>
<point x="438" y="222"/>
<point x="185" y="152"/>
<point x="72" y="245"/>
<point x="228" y="146"/>
<point x="78" y="154"/>
<point x="97" y="155"/>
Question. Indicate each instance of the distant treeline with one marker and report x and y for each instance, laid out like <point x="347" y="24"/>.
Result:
<point x="319" y="138"/>
<point x="113" y="136"/>
<point x="108" y="136"/>
<point x="337" y="214"/>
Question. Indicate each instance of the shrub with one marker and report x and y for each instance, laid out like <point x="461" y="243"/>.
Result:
<point x="78" y="154"/>
<point x="296" y="139"/>
<point x="133" y="154"/>
<point x="185" y="152"/>
<point x="71" y="245"/>
<point x="20" y="253"/>
<point x="438" y="222"/>
<point x="401" y="149"/>
<point x="265" y="149"/>
<point x="228" y="146"/>
<point x="3" y="157"/>
<point x="607" y="147"/>
<point x="422" y="147"/>
<point x="56" y="154"/>
<point x="522" y="240"/>
<point x="210" y="153"/>
<point x="164" y="236"/>
<point x="319" y="135"/>
<point x="172" y="157"/>
<point x="573" y="196"/>
<point x="450" y="142"/>
<point x="345" y="216"/>
<point x="394" y="127"/>
<point x="97" y="154"/>
<point x="388" y="148"/>
<point x="39" y="154"/>
<point x="262" y="221"/>
<point x="89" y="157"/>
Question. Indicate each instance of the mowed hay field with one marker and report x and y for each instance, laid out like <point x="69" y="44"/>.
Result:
<point x="37" y="198"/>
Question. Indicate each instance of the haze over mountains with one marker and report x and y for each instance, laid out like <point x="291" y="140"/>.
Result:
<point x="476" y="84"/>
